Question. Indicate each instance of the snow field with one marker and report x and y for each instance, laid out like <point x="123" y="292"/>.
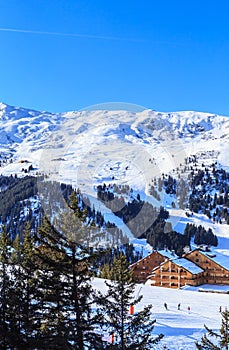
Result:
<point x="181" y="328"/>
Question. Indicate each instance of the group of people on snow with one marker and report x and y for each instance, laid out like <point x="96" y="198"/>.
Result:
<point x="178" y="307"/>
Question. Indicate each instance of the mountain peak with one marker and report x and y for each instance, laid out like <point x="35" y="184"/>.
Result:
<point x="2" y="106"/>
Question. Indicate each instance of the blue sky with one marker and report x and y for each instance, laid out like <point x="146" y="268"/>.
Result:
<point x="165" y="55"/>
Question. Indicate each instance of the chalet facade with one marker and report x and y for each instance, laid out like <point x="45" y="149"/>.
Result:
<point x="176" y="274"/>
<point x="143" y="268"/>
<point x="216" y="266"/>
<point x="161" y="268"/>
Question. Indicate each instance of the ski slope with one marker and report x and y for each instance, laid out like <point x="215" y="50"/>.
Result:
<point x="181" y="328"/>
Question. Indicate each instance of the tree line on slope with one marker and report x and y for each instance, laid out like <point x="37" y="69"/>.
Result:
<point x="152" y="222"/>
<point x="20" y="202"/>
<point x="210" y="193"/>
<point x="205" y="191"/>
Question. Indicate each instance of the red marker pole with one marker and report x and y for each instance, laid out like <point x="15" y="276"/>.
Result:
<point x="112" y="338"/>
<point x="131" y="309"/>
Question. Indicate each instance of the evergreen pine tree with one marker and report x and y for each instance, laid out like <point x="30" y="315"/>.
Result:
<point x="24" y="314"/>
<point x="16" y="297"/>
<point x="216" y="341"/>
<point x="131" y="331"/>
<point x="68" y="320"/>
<point x="83" y="321"/>
<point x="74" y="204"/>
<point x="31" y="307"/>
<point x="51" y="258"/>
<point x="5" y="286"/>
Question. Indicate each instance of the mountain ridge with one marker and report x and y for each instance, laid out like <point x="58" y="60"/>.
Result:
<point x="23" y="128"/>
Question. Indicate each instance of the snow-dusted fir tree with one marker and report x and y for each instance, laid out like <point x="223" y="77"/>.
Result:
<point x="18" y="290"/>
<point x="216" y="340"/>
<point x="68" y="320"/>
<point x="5" y="289"/>
<point x="130" y="331"/>
<point x="73" y="259"/>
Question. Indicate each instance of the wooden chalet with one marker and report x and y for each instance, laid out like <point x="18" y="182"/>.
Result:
<point x="176" y="274"/>
<point x="215" y="265"/>
<point x="200" y="266"/>
<point x="143" y="268"/>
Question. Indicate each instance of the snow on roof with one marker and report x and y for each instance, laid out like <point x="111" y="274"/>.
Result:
<point x="166" y="253"/>
<point x="218" y="258"/>
<point x="188" y="265"/>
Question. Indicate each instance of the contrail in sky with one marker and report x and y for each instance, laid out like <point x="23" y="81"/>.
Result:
<point x="86" y="36"/>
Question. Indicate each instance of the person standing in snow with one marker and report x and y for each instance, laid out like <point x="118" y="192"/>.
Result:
<point x="166" y="307"/>
<point x="178" y="307"/>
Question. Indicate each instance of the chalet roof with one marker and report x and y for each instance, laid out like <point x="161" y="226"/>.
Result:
<point x="168" y="254"/>
<point x="218" y="258"/>
<point x="164" y="252"/>
<point x="185" y="264"/>
<point x="188" y="265"/>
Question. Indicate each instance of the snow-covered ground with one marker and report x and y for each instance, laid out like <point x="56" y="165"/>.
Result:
<point x="181" y="328"/>
<point x="88" y="148"/>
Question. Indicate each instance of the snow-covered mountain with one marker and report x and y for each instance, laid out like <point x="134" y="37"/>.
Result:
<point x="91" y="147"/>
<point x="119" y="138"/>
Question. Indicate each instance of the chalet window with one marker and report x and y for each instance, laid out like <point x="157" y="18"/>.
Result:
<point x="207" y="262"/>
<point x="197" y="254"/>
<point x="197" y="260"/>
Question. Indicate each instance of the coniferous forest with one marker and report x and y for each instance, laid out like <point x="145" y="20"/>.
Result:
<point x="47" y="300"/>
<point x="154" y="223"/>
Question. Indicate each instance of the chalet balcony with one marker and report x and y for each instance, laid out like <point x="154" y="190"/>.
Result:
<point x="165" y="273"/>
